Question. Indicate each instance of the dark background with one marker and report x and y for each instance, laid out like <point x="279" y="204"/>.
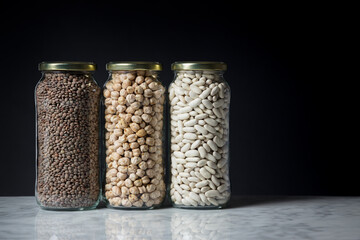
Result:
<point x="283" y="140"/>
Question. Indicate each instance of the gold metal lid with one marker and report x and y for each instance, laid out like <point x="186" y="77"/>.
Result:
<point x="199" y="65"/>
<point x="67" y="66"/>
<point x="134" y="65"/>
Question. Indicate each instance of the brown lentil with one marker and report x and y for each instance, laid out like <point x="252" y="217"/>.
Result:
<point x="67" y="140"/>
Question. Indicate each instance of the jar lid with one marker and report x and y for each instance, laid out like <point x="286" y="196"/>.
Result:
<point x="199" y="65"/>
<point x="67" y="66"/>
<point x="135" y="65"/>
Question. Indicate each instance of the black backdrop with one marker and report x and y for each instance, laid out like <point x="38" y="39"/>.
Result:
<point x="279" y="140"/>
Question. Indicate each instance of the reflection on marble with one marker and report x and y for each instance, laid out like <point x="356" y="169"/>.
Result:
<point x="68" y="225"/>
<point x="246" y="218"/>
<point x="215" y="224"/>
<point x="136" y="224"/>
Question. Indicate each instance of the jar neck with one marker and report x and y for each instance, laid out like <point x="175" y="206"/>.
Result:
<point x="201" y="72"/>
<point x="139" y="72"/>
<point x="145" y="73"/>
<point x="66" y="72"/>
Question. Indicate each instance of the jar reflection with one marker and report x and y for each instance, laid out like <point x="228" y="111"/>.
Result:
<point x="136" y="225"/>
<point x="68" y="225"/>
<point x="202" y="225"/>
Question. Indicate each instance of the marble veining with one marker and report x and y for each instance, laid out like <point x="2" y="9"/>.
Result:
<point x="246" y="218"/>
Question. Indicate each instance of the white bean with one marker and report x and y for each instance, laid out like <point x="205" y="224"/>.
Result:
<point x="196" y="190"/>
<point x="195" y="144"/>
<point x="202" y="152"/>
<point x="211" y="122"/>
<point x="212" y="164"/>
<point x="190" y="136"/>
<point x="207" y="104"/>
<point x="190" y="165"/>
<point x="195" y="102"/>
<point x="184" y="174"/>
<point x="218" y="103"/>
<point x="210" y="157"/>
<point x="183" y="116"/>
<point x="210" y="170"/>
<point x="214" y="91"/>
<point x="205" y="173"/>
<point x="199" y="105"/>
<point x="222" y="188"/>
<point x="201" y="116"/>
<point x="217" y="112"/>
<point x="206" y="147"/>
<point x="215" y="181"/>
<point x="213" y="201"/>
<point x="180" y="168"/>
<point x="192" y="159"/>
<point x="221" y="163"/>
<point x="194" y="179"/>
<point x="186" y="80"/>
<point x="205" y="189"/>
<point x="189" y="129"/>
<point x="185" y="147"/>
<point x="177" y="196"/>
<point x="212" y="193"/>
<point x="194" y="196"/>
<point x="175" y="147"/>
<point x="190" y="123"/>
<point x="200" y="129"/>
<point x="205" y="93"/>
<point x="192" y="153"/>
<point x="201" y="163"/>
<point x="185" y="202"/>
<point x="202" y="184"/>
<point x="179" y="154"/>
<point x="178" y="188"/>
<point x="185" y="109"/>
<point x="195" y="89"/>
<point x="203" y="198"/>
<point x="179" y="90"/>
<point x="210" y="128"/>
<point x="219" y="142"/>
<point x="212" y="145"/>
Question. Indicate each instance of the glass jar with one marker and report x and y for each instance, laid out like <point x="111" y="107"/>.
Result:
<point x="67" y="101"/>
<point x="199" y="99"/>
<point x="134" y="111"/>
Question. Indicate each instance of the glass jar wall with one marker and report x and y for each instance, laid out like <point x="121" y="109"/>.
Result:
<point x="67" y="100"/>
<point x="199" y="99"/>
<point x="134" y="110"/>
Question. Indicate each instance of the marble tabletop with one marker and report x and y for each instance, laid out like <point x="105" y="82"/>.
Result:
<point x="246" y="218"/>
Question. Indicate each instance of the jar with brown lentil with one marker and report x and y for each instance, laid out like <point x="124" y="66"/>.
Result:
<point x="67" y="101"/>
<point x="134" y="110"/>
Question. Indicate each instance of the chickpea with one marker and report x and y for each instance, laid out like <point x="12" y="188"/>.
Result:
<point x="128" y="183"/>
<point x="107" y="93"/>
<point x="134" y="125"/>
<point x="146" y="117"/>
<point x="126" y="83"/>
<point x="141" y="133"/>
<point x="136" y="152"/>
<point x="148" y="93"/>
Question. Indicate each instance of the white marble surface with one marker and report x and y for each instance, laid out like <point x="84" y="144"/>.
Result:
<point x="246" y="218"/>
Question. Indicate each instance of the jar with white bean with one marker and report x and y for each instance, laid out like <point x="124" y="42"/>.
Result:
<point x="134" y="106"/>
<point x="199" y="100"/>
